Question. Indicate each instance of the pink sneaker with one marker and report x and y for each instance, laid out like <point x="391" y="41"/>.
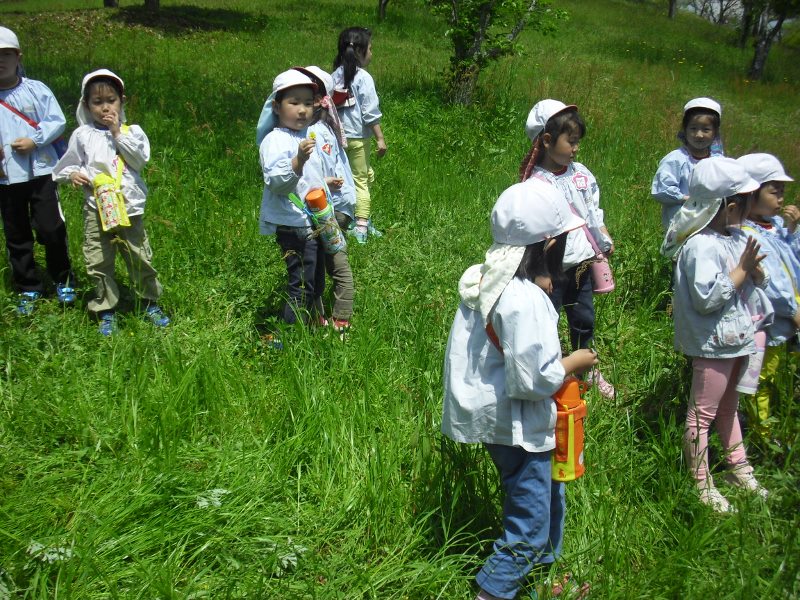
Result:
<point x="595" y="377"/>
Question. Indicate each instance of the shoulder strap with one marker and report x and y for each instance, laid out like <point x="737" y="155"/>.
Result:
<point x="20" y="114"/>
<point x="492" y="335"/>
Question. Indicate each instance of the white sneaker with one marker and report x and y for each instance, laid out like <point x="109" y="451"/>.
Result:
<point x="711" y="496"/>
<point x="595" y="377"/>
<point x="746" y="481"/>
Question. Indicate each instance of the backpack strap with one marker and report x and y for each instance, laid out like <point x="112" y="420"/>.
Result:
<point x="20" y="114"/>
<point x="492" y="335"/>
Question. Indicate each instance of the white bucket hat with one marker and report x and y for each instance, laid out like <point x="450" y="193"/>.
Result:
<point x="713" y="179"/>
<point x="314" y="72"/>
<point x="763" y="167"/>
<point x="703" y="103"/>
<point x="525" y="213"/>
<point x="541" y="113"/>
<point x="8" y="39"/>
<point x="288" y="79"/>
<point x="83" y="114"/>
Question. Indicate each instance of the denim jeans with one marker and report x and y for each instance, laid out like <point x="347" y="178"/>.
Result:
<point x="305" y="272"/>
<point x="533" y="519"/>
<point x="575" y="294"/>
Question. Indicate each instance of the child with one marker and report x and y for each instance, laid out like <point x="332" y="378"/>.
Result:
<point x="780" y="243"/>
<point x="556" y="131"/>
<point x="716" y="270"/>
<point x="284" y="149"/>
<point x="104" y="146"/>
<point x="502" y="366"/>
<point x="330" y="160"/>
<point x="700" y="136"/>
<point x="30" y="121"/>
<point x="361" y="118"/>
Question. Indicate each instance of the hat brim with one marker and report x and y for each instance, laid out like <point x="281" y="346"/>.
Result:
<point x="318" y="83"/>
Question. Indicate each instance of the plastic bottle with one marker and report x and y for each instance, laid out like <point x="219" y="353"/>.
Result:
<point x="329" y="233"/>
<point x="602" y="277"/>
<point x="567" y="463"/>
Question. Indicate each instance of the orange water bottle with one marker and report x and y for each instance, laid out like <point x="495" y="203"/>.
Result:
<point x="329" y="233"/>
<point x="567" y="464"/>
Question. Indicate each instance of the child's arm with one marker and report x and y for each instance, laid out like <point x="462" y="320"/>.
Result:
<point x="371" y="114"/>
<point x="749" y="265"/>
<point x="378" y="133"/>
<point x="579" y="361"/>
<point x="282" y="161"/>
<point x="666" y="186"/>
<point x="69" y="168"/>
<point x="133" y="146"/>
<point x="51" y="121"/>
<point x="703" y="266"/>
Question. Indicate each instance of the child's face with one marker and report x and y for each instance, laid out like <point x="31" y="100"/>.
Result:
<point x="9" y="61"/>
<point x="104" y="103"/>
<point x="561" y="151"/>
<point x="365" y="59"/>
<point x="296" y="109"/>
<point x="768" y="201"/>
<point x="700" y="133"/>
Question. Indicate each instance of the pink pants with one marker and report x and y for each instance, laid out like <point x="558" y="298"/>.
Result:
<point x="714" y="398"/>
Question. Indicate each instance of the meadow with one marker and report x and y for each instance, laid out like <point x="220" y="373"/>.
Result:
<point x="199" y="462"/>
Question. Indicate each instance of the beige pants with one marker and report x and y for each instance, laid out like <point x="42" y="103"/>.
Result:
<point x="100" y="251"/>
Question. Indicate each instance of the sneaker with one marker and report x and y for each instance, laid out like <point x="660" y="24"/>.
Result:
<point x="372" y="231"/>
<point x="272" y="341"/>
<point x="156" y="316"/>
<point x="27" y="303"/>
<point x="342" y="327"/>
<point x="595" y="377"/>
<point x="66" y="294"/>
<point x="711" y="496"/>
<point x="746" y="481"/>
<point x="108" y="323"/>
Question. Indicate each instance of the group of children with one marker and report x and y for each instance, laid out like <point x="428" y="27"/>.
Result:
<point x="314" y="133"/>
<point x="737" y="267"/>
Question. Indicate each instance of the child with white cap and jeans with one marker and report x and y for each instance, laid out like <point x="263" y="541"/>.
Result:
<point x="503" y="364"/>
<point x="717" y="274"/>
<point x="284" y="149"/>
<point x="774" y="226"/>
<point x="700" y="136"/>
<point x="103" y="147"/>
<point x="556" y="130"/>
<point x="30" y="121"/>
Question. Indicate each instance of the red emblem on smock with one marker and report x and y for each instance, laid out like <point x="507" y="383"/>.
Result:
<point x="581" y="181"/>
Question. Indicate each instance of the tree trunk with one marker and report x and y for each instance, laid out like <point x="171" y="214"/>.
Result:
<point x="152" y="5"/>
<point x="382" y="9"/>
<point x="673" y="5"/>
<point x="110" y="3"/>
<point x="463" y="80"/>
<point x="763" y="45"/>
<point x="746" y="24"/>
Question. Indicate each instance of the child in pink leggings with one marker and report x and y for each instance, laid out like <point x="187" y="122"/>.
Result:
<point x="719" y="305"/>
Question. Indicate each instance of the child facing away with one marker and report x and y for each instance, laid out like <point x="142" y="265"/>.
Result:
<point x="503" y="364"/>
<point x="774" y="226"/>
<point x="556" y="130"/>
<point x="700" y="139"/>
<point x="284" y="149"/>
<point x="30" y="121"/>
<point x="330" y="161"/>
<point x="358" y="106"/>
<point x="716" y="273"/>
<point x="104" y="147"/>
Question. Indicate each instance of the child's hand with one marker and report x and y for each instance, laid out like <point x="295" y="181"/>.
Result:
<point x="612" y="248"/>
<point x="580" y="361"/>
<point x="23" y="145"/>
<point x="111" y="120"/>
<point x="78" y="179"/>
<point x="304" y="150"/>
<point x="791" y="215"/>
<point x="334" y="182"/>
<point x="750" y="260"/>
<point x="381" y="147"/>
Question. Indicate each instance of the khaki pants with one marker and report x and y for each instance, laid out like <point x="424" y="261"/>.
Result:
<point x="100" y="251"/>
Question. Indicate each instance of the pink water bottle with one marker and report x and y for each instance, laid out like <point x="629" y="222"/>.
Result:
<point x="602" y="278"/>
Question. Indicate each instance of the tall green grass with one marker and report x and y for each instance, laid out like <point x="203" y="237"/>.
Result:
<point x="199" y="462"/>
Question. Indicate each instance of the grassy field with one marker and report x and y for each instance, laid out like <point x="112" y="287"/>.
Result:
<point x="199" y="463"/>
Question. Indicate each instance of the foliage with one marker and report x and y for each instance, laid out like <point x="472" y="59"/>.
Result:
<point x="116" y="454"/>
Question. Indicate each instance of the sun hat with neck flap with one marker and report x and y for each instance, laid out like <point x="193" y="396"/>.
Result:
<point x="268" y="121"/>
<point x="526" y="213"/>
<point x="83" y="114"/>
<point x="713" y="179"/>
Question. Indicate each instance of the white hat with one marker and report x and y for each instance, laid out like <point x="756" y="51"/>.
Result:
<point x="318" y="76"/>
<point x="763" y="167"/>
<point x="8" y="39"/>
<point x="541" y="113"/>
<point x="83" y="114"/>
<point x="525" y="213"/>
<point x="703" y="103"/>
<point x="713" y="179"/>
<point x="288" y="79"/>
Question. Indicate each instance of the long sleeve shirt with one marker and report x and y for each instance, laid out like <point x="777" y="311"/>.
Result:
<point x="276" y="152"/>
<point x="93" y="150"/>
<point x="35" y="100"/>
<point x="357" y="120"/>
<point x="505" y="398"/>
<point x="330" y="158"/>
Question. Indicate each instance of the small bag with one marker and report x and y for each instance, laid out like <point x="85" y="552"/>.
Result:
<point x="343" y="98"/>
<point x="109" y="199"/>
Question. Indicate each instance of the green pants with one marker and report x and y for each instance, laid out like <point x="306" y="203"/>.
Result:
<point x="358" y="155"/>
<point x="100" y="250"/>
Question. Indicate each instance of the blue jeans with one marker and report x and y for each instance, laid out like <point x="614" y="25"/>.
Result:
<point x="577" y="299"/>
<point x="533" y="520"/>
